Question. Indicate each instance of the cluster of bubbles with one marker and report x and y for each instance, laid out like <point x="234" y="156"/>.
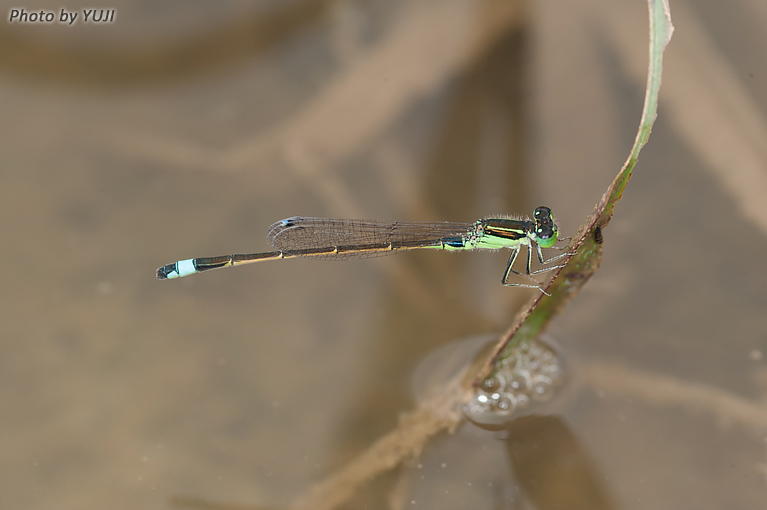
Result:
<point x="529" y="374"/>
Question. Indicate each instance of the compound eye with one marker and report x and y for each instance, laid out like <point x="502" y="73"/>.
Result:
<point x="542" y="214"/>
<point x="544" y="232"/>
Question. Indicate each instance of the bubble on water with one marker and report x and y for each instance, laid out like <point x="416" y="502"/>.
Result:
<point x="543" y="388"/>
<point x="526" y="378"/>
<point x="506" y="404"/>
<point x="521" y="381"/>
<point x="491" y="384"/>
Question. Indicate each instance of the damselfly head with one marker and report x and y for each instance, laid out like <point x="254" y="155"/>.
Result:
<point x="545" y="228"/>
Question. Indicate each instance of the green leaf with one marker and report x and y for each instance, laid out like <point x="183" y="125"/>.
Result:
<point x="585" y="251"/>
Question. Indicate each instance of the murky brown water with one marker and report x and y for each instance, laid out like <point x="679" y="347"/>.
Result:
<point x="178" y="132"/>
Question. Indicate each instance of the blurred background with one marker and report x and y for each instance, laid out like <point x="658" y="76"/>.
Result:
<point x="185" y="129"/>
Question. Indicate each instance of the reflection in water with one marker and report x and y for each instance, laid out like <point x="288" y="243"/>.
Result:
<point x="552" y="468"/>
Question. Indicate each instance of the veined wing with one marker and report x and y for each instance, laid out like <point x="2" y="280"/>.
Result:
<point x="363" y="238"/>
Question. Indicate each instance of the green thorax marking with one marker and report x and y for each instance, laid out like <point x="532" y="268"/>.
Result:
<point x="504" y="232"/>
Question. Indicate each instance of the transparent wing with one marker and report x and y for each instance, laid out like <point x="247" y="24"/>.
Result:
<point x="363" y="238"/>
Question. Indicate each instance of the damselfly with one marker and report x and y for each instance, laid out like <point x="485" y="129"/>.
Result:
<point x="338" y="239"/>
